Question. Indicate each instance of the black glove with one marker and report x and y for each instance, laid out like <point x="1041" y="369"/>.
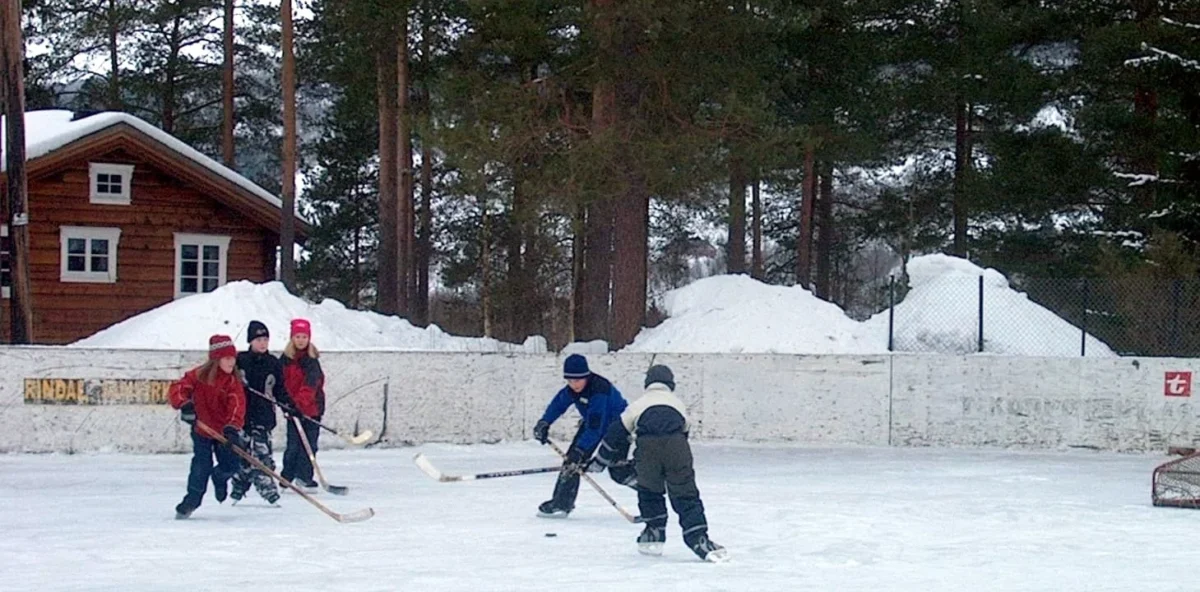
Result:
<point x="577" y="462"/>
<point x="576" y="456"/>
<point x="234" y="437"/>
<point x="541" y="431"/>
<point x="187" y="413"/>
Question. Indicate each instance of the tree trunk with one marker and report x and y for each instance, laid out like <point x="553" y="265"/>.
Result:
<point x="168" y="96"/>
<point x="287" y="225"/>
<point x="962" y="168"/>
<point x="596" y="274"/>
<point x="521" y="301"/>
<point x="387" y="301"/>
<point x="12" y="58"/>
<point x="424" y="239"/>
<point x="485" y="262"/>
<point x="356" y="282"/>
<point x="114" y="78"/>
<point x="756" y="257"/>
<point x="578" y="224"/>
<point x="227" y="123"/>
<point x="629" y="252"/>
<point x="825" y="233"/>
<point x="735" y="255"/>
<point x="804" y="238"/>
<point x="420" y="314"/>
<point x="405" y="276"/>
<point x="1144" y="138"/>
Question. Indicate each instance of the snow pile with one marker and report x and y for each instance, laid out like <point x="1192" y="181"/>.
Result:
<point x="736" y="314"/>
<point x="187" y="323"/>
<point x="941" y="314"/>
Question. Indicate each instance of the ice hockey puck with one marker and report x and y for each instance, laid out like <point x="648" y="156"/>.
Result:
<point x="551" y="534"/>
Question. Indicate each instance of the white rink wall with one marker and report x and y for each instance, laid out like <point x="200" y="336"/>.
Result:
<point x="901" y="400"/>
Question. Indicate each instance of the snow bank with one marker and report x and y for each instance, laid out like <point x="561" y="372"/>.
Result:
<point x="737" y="314"/>
<point x="940" y="314"/>
<point x="187" y="323"/>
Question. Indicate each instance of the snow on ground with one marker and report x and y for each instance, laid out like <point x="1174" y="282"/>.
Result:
<point x="737" y="314"/>
<point x="719" y="314"/>
<point x="793" y="518"/>
<point x="187" y="323"/>
<point x="941" y="314"/>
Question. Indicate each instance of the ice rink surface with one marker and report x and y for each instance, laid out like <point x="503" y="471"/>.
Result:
<point x="793" y="518"/>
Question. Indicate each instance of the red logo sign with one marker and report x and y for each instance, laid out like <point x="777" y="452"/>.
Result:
<point x="1177" y="384"/>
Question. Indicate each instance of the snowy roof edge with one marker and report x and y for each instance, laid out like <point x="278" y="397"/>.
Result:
<point x="92" y="124"/>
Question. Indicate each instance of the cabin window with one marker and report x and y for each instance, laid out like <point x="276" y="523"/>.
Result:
<point x="88" y="254"/>
<point x="5" y="262"/>
<point x="110" y="183"/>
<point x="200" y="263"/>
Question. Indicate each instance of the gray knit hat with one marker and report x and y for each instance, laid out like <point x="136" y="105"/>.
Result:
<point x="661" y="374"/>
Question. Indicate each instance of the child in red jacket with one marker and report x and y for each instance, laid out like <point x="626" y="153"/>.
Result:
<point x="211" y="393"/>
<point x="305" y="383"/>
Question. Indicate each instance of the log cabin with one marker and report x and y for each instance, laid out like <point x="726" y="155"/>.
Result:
<point x="123" y="218"/>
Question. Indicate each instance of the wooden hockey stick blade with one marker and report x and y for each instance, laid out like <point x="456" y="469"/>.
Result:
<point x="360" y="439"/>
<point x="427" y="467"/>
<point x="617" y="506"/>
<point x="358" y="516"/>
<point x="312" y="458"/>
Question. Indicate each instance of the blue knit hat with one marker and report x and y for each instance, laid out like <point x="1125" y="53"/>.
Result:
<point x="576" y="366"/>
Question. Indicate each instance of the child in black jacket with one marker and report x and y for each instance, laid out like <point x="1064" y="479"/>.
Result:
<point x="262" y="376"/>
<point x="663" y="461"/>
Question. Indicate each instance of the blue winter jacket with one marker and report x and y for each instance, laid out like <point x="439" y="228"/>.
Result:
<point x="599" y="405"/>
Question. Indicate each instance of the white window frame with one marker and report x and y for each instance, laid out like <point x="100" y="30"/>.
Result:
<point x="95" y="169"/>
<point x="201" y="240"/>
<point x="112" y="235"/>
<point x="6" y="291"/>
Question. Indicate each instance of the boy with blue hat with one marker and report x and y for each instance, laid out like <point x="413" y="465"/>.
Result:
<point x="599" y="403"/>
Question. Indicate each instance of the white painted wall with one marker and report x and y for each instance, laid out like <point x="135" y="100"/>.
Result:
<point x="905" y="400"/>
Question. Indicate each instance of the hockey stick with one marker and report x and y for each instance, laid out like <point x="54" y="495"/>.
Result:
<point x="425" y="465"/>
<point x="312" y="458"/>
<point x="628" y="516"/>
<point x="358" y="440"/>
<point x="358" y="516"/>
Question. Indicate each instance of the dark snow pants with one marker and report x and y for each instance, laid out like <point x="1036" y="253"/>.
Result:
<point x="296" y="464"/>
<point x="203" y="451"/>
<point x="664" y="467"/>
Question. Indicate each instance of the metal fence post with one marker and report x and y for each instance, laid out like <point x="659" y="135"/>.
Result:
<point x="891" y="313"/>
<point x="981" y="314"/>
<point x="1084" y="318"/>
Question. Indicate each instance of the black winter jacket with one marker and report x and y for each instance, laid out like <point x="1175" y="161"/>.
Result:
<point x="263" y="373"/>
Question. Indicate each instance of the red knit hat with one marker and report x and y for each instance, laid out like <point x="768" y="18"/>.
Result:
<point x="221" y="346"/>
<point x="301" y="327"/>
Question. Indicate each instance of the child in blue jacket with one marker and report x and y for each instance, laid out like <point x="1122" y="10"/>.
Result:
<point x="599" y="404"/>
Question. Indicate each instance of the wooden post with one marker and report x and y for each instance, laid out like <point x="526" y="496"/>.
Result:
<point x="12" y="56"/>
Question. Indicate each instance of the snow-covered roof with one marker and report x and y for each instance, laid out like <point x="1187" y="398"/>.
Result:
<point x="50" y="130"/>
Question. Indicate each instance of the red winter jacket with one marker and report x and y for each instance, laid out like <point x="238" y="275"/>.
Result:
<point x="305" y="383"/>
<point x="220" y="404"/>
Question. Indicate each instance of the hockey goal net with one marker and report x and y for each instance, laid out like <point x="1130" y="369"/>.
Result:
<point x="1177" y="483"/>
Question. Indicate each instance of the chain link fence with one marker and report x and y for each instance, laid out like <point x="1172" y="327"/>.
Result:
<point x="1045" y="316"/>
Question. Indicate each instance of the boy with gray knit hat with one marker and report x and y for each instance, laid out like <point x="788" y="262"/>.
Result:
<point x="663" y="460"/>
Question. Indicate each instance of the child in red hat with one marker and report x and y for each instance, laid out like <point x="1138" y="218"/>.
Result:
<point x="305" y="383"/>
<point x="211" y="393"/>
